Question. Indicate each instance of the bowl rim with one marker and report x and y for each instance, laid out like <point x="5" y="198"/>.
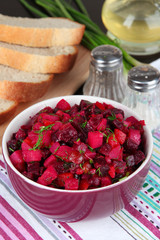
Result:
<point x="38" y="106"/>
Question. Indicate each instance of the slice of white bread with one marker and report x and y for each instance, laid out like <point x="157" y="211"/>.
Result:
<point x="22" y="86"/>
<point x="7" y="109"/>
<point x="40" y="32"/>
<point x="38" y="60"/>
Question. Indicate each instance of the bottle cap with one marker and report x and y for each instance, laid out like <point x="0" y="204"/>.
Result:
<point x="143" y="78"/>
<point x="106" y="57"/>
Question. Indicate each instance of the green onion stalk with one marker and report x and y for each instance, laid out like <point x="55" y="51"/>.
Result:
<point x="93" y="35"/>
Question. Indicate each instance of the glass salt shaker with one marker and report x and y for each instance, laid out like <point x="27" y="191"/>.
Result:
<point x="106" y="73"/>
<point x="143" y="95"/>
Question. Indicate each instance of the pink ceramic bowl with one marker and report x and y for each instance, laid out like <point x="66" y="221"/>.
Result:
<point x="67" y="205"/>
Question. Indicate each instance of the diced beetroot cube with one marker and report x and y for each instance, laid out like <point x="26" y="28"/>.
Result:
<point x="57" y="125"/>
<point x="48" y="176"/>
<point x="37" y="126"/>
<point x="112" y="140"/>
<point x="142" y="122"/>
<point x="80" y="146"/>
<point x="62" y="177"/>
<point x="94" y="121"/>
<point x="121" y="154"/>
<point x="84" y="184"/>
<point x="86" y="167"/>
<point x="71" y="184"/>
<point x="102" y="126"/>
<point x="34" y="168"/>
<point x="105" y="181"/>
<point x="47" y="119"/>
<point x="116" y="153"/>
<point x="130" y="160"/>
<point x="64" y="152"/>
<point x="111" y="171"/>
<point x="49" y="161"/>
<point x="108" y="106"/>
<point x="60" y="113"/>
<point x="46" y="141"/>
<point x="119" y="116"/>
<point x="47" y="122"/>
<point x="75" y="157"/>
<point x="105" y="149"/>
<point x="108" y="160"/>
<point x="63" y="105"/>
<point x="26" y="144"/>
<point x="120" y="136"/>
<point x="118" y="124"/>
<point x="131" y="145"/>
<point x="52" y="118"/>
<point x="20" y="135"/>
<point x="54" y="147"/>
<point x="64" y="116"/>
<point x="95" y="139"/>
<point x="100" y="106"/>
<point x="90" y="154"/>
<point x="79" y="171"/>
<point x="119" y="167"/>
<point x="132" y="120"/>
<point x="32" y="155"/>
<point x="139" y="156"/>
<point x="135" y="135"/>
<point x="94" y="181"/>
<point x="67" y="133"/>
<point x="127" y="123"/>
<point x="17" y="160"/>
<point x="33" y="136"/>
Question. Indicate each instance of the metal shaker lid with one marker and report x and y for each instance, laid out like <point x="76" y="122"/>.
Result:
<point x="143" y="78"/>
<point x="106" y="56"/>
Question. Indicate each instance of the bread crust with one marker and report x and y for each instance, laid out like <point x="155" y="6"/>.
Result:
<point x="37" y="63"/>
<point x="6" y="114"/>
<point x="24" y="91"/>
<point x="41" y="37"/>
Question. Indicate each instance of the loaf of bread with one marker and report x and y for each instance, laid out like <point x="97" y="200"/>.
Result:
<point x="38" y="60"/>
<point x="40" y="32"/>
<point x="7" y="109"/>
<point x="22" y="86"/>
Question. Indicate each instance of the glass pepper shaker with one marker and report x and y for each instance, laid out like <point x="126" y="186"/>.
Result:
<point x="105" y="73"/>
<point x="143" y="94"/>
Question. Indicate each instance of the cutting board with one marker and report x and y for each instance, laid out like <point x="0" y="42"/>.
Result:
<point x="62" y="85"/>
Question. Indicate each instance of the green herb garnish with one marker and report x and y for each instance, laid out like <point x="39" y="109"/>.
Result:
<point x="11" y="149"/>
<point x="99" y="171"/>
<point x="81" y="165"/>
<point x="90" y="148"/>
<point x="84" y="124"/>
<point x="90" y="161"/>
<point x="40" y="136"/>
<point x="113" y="117"/>
<point x="38" y="143"/>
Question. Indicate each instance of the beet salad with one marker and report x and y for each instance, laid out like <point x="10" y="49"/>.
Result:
<point x="78" y="147"/>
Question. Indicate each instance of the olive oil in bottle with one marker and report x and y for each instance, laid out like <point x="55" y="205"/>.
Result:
<point x="136" y="23"/>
